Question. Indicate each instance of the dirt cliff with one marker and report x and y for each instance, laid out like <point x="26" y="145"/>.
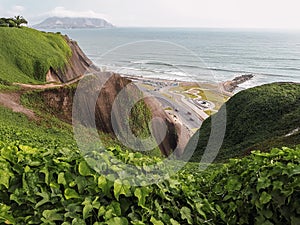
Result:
<point x="59" y="101"/>
<point x="78" y="65"/>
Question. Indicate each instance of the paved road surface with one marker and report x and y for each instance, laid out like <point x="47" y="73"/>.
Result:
<point x="181" y="107"/>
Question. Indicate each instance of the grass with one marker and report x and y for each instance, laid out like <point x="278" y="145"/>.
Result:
<point x="28" y="54"/>
<point x="257" y="118"/>
<point x="206" y="92"/>
<point x="17" y="127"/>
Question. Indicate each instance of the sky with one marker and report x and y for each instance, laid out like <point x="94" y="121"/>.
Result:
<point x="165" y="13"/>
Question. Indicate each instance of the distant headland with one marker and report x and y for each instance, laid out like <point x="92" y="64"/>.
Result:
<point x="72" y="23"/>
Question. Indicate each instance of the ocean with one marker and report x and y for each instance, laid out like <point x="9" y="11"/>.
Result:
<point x="191" y="54"/>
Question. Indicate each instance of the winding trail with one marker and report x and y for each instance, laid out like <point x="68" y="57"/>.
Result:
<point x="49" y="85"/>
<point x="12" y="101"/>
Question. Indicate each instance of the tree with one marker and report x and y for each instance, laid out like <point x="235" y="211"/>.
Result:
<point x="19" y="20"/>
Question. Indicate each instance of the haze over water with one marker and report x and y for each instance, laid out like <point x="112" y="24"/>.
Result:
<point x="210" y="54"/>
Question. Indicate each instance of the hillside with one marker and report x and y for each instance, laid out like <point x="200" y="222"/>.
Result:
<point x="31" y="56"/>
<point x="23" y="60"/>
<point x="72" y="23"/>
<point x="258" y="118"/>
<point x="60" y="61"/>
<point x="46" y="179"/>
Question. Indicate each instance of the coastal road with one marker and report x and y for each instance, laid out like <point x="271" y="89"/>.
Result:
<point x="180" y="110"/>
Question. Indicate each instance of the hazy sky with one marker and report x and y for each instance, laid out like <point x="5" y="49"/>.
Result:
<point x="165" y="13"/>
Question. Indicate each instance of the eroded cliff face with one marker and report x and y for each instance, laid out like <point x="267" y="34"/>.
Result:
<point x="60" y="100"/>
<point x="78" y="65"/>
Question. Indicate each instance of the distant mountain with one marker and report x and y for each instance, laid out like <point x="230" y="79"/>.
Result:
<point x="72" y="23"/>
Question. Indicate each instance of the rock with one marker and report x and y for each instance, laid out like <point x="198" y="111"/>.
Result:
<point x="230" y="86"/>
<point x="78" y="65"/>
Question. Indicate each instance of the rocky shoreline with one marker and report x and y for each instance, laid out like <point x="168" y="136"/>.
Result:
<point x="231" y="85"/>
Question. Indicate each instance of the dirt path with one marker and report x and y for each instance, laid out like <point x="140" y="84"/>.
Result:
<point x="45" y="86"/>
<point x="12" y="101"/>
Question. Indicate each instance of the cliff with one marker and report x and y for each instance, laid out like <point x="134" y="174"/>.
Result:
<point x="77" y="65"/>
<point x="59" y="102"/>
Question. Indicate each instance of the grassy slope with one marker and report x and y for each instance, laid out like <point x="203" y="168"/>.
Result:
<point x="257" y="118"/>
<point x="27" y="54"/>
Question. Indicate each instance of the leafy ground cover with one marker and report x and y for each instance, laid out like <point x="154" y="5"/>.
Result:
<point x="58" y="187"/>
<point x="45" y="180"/>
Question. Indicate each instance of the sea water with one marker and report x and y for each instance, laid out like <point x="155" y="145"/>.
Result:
<point x="191" y="54"/>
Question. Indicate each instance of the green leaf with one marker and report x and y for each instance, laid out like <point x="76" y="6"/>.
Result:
<point x="121" y="187"/>
<point x="61" y="179"/>
<point x="141" y="194"/>
<point x="277" y="185"/>
<point x="5" y="215"/>
<point x="262" y="182"/>
<point x="265" y="198"/>
<point x="117" y="221"/>
<point x="104" y="184"/>
<point x="52" y="215"/>
<point x="295" y="171"/>
<point x="78" y="221"/>
<point x="45" y="199"/>
<point x="116" y="208"/>
<point x="5" y="174"/>
<point x="155" y="221"/>
<point x="86" y="212"/>
<point x="186" y="214"/>
<point x="70" y="193"/>
<point x="199" y="206"/>
<point x="233" y="184"/>
<point x="84" y="169"/>
<point x="267" y="213"/>
<point x="101" y="211"/>
<point x="174" y="222"/>
<point x="222" y="214"/>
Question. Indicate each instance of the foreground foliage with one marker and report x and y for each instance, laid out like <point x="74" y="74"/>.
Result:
<point x="56" y="186"/>
<point x="263" y="188"/>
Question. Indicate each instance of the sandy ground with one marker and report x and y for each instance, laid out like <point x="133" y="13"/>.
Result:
<point x="12" y="101"/>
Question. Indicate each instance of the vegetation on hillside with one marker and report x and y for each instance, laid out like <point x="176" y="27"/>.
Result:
<point x="258" y="118"/>
<point x="17" y="21"/>
<point x="26" y="54"/>
<point x="55" y="185"/>
<point x="45" y="179"/>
